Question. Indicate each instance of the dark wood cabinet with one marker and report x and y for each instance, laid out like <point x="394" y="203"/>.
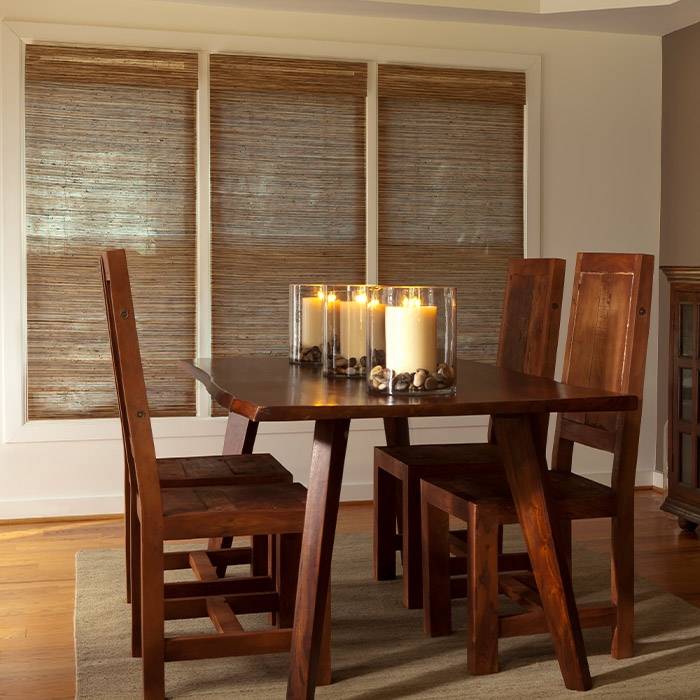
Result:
<point x="683" y="497"/>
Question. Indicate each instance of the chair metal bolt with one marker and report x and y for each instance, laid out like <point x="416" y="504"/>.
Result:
<point x="642" y="311"/>
<point x="140" y="414"/>
<point x="124" y="313"/>
<point x="555" y="305"/>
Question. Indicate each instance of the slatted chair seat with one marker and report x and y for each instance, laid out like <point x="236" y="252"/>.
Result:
<point x="190" y="472"/>
<point x="574" y="495"/>
<point x="527" y="343"/>
<point x="606" y="348"/>
<point x="209" y="511"/>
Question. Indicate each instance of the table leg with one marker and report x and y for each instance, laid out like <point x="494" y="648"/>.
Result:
<point x="327" y="460"/>
<point x="523" y="453"/>
<point x="240" y="435"/>
<point x="239" y="440"/>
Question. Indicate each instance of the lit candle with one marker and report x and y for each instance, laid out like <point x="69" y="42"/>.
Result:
<point x="353" y="327"/>
<point x="411" y="336"/>
<point x="312" y="321"/>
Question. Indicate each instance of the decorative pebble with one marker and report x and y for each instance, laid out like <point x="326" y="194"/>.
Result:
<point x="430" y="383"/>
<point x="419" y="378"/>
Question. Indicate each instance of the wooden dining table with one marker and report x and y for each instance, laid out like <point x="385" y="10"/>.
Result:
<point x="257" y="389"/>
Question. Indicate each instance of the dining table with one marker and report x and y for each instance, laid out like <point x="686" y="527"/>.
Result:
<point x="262" y="388"/>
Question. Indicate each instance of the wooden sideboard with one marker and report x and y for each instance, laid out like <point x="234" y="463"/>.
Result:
<point x="683" y="498"/>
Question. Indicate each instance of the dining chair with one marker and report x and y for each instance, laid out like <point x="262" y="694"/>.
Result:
<point x="606" y="348"/>
<point x="191" y="472"/>
<point x="527" y="343"/>
<point x="164" y="509"/>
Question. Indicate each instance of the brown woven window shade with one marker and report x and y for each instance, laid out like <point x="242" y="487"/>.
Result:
<point x="287" y="190"/>
<point x="451" y="188"/>
<point x="110" y="163"/>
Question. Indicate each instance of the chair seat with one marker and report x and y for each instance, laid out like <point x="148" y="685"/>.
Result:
<point x="260" y="509"/>
<point x="438" y="458"/>
<point x="575" y="495"/>
<point x="175" y="472"/>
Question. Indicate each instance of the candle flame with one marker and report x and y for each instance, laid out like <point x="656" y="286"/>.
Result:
<point x="320" y="295"/>
<point x="374" y="302"/>
<point x="331" y="297"/>
<point x="361" y="297"/>
<point x="415" y="301"/>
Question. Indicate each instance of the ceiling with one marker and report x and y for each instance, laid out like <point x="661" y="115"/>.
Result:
<point x="651" y="17"/>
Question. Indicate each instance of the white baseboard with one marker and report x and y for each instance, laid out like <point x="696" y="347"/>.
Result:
<point x="61" y="507"/>
<point x="657" y="479"/>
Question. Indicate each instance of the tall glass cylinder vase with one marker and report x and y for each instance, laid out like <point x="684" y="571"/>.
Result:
<point x="412" y="340"/>
<point x="345" y="322"/>
<point x="306" y="324"/>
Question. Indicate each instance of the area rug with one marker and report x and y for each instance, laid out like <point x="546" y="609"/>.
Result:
<point x="380" y="651"/>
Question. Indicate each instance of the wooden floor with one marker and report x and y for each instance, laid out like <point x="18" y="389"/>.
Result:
<point x="37" y="584"/>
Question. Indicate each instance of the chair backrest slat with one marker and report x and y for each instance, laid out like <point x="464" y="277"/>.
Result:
<point x="531" y="316"/>
<point x="606" y="345"/>
<point x="128" y="378"/>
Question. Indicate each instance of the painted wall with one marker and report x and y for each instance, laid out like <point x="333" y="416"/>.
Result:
<point x="600" y="165"/>
<point x="680" y="176"/>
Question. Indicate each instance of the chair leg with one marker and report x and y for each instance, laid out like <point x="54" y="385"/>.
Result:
<point x="128" y="510"/>
<point x="384" y="525"/>
<point x="622" y="585"/>
<point x="259" y="555"/>
<point x="273" y="546"/>
<point x="288" y="549"/>
<point x="221" y="543"/>
<point x="482" y="601"/>
<point x="411" y="545"/>
<point x="135" y="583"/>
<point x="153" y="616"/>
<point x="435" y="538"/>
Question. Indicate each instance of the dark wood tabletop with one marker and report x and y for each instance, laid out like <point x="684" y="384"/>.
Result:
<point x="271" y="389"/>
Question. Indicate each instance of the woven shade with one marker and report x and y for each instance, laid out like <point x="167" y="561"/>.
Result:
<point x="110" y="163"/>
<point x="287" y="191"/>
<point x="451" y="189"/>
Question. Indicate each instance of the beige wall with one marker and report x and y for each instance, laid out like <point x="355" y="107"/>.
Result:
<point x="680" y="182"/>
<point x="600" y="173"/>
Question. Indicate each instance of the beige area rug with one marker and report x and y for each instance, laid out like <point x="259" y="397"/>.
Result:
<point x="380" y="651"/>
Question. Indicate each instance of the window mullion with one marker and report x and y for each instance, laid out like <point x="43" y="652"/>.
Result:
<point x="372" y="177"/>
<point x="203" y="402"/>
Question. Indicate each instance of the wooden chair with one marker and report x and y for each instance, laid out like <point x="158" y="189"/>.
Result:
<point x="606" y="348"/>
<point x="203" y="509"/>
<point x="527" y="343"/>
<point x="191" y="472"/>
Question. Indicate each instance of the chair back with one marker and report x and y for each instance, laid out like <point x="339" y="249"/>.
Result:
<point x="606" y="348"/>
<point x="531" y="316"/>
<point x="139" y="449"/>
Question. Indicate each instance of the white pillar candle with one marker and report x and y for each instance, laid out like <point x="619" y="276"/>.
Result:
<point x="311" y="321"/>
<point x="352" y="317"/>
<point x="411" y="337"/>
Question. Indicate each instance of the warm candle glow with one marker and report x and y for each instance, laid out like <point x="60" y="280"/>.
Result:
<point x="331" y="297"/>
<point x="415" y="301"/>
<point x="361" y="297"/>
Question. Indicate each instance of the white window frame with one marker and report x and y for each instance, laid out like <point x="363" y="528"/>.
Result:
<point x="13" y="351"/>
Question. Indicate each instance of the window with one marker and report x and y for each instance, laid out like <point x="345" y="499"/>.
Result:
<point x="451" y="189"/>
<point x="288" y="190"/>
<point x="110" y="162"/>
